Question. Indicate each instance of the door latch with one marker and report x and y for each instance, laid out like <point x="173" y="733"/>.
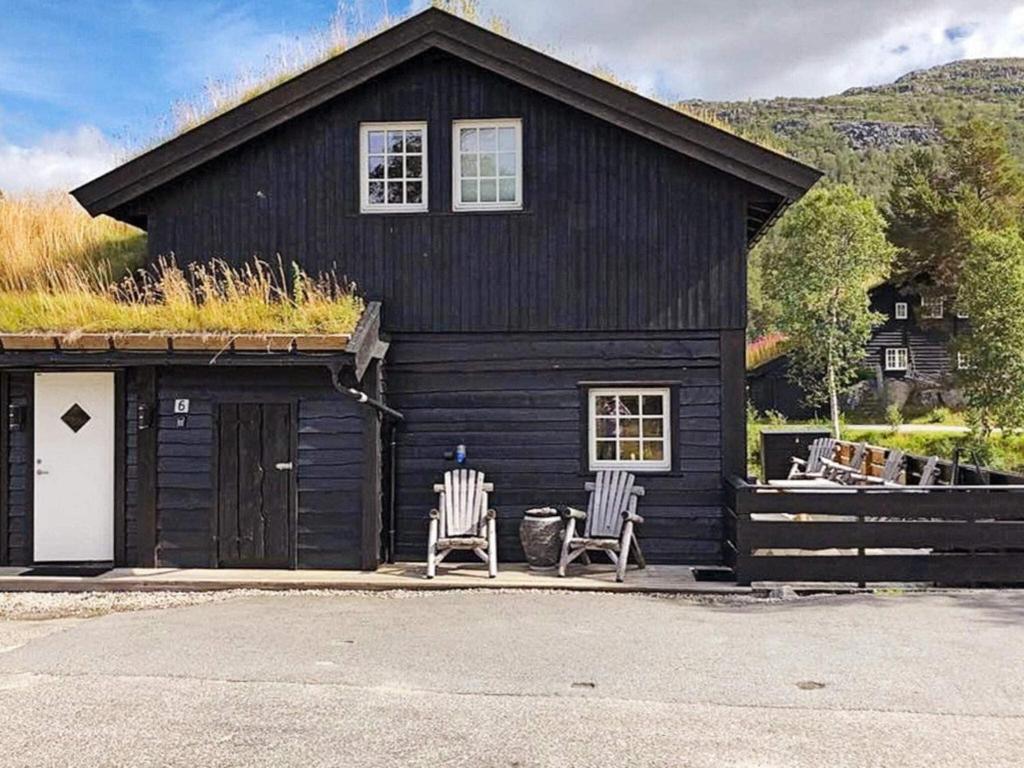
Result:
<point x="284" y="466"/>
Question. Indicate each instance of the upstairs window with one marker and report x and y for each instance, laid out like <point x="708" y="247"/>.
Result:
<point x="963" y="361"/>
<point x="393" y="162"/>
<point x="896" y="359"/>
<point x="487" y="167"/>
<point x="901" y="310"/>
<point x="931" y="307"/>
<point x="630" y="429"/>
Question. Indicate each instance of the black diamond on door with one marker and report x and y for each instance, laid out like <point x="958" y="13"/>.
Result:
<point x="76" y="417"/>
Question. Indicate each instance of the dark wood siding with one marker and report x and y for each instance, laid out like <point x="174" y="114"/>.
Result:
<point x="331" y="464"/>
<point x="617" y="233"/>
<point x="19" y="539"/>
<point x="515" y="401"/>
<point x="928" y="341"/>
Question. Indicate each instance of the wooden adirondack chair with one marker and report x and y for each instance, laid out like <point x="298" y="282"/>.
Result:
<point x="822" y="448"/>
<point x="890" y="470"/>
<point x="929" y="472"/>
<point x="609" y="521"/>
<point x="841" y="472"/>
<point x="462" y="520"/>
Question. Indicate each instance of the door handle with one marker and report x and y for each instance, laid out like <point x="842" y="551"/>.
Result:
<point x="284" y="466"/>
<point x="42" y="472"/>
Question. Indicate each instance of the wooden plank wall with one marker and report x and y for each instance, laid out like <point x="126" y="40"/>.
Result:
<point x="617" y="233"/>
<point x="515" y="401"/>
<point x="330" y="463"/>
<point x="19" y="542"/>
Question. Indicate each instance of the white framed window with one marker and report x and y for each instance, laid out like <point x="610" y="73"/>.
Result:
<point x="630" y="428"/>
<point x="393" y="167"/>
<point x="963" y="360"/>
<point x="896" y="359"/>
<point x="901" y="310"/>
<point x="487" y="165"/>
<point x="931" y="307"/>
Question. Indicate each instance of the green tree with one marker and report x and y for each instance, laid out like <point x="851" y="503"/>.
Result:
<point x="832" y="248"/>
<point x="940" y="198"/>
<point x="992" y="292"/>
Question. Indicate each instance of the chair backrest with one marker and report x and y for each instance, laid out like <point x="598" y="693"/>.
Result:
<point x="822" y="448"/>
<point x="612" y="493"/>
<point x="893" y="466"/>
<point x="929" y="472"/>
<point x="860" y="452"/>
<point x="462" y="502"/>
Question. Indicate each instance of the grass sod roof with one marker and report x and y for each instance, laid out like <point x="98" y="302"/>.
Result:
<point x="75" y="306"/>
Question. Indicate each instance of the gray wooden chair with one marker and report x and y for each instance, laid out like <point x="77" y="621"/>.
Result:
<point x="891" y="470"/>
<point x="929" y="472"/>
<point x="462" y="520"/>
<point x="839" y="472"/>
<point x="608" y="523"/>
<point x="813" y="467"/>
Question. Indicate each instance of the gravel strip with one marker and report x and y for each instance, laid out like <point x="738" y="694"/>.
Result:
<point x="40" y="606"/>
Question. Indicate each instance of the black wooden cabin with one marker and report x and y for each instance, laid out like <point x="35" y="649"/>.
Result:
<point x="561" y="269"/>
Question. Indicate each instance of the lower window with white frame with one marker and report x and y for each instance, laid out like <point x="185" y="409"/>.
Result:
<point x="896" y="359"/>
<point x="630" y="428"/>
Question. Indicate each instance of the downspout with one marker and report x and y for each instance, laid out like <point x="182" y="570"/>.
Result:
<point x="393" y="418"/>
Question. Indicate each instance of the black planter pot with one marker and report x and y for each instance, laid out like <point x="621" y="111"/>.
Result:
<point x="540" y="533"/>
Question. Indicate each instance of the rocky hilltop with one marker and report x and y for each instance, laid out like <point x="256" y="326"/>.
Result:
<point x="856" y="136"/>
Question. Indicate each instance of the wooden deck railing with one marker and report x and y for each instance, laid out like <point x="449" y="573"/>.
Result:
<point x="945" y="535"/>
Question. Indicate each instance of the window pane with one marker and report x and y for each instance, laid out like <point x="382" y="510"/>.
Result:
<point x="395" y="143"/>
<point x="507" y="164"/>
<point x="394" y="191"/>
<point x="629" y="427"/>
<point x="606" y="450"/>
<point x="414" y="192"/>
<point x="468" y="139"/>
<point x="654" y="427"/>
<point x="375" y="166"/>
<point x="395" y="170"/>
<point x="375" y="142"/>
<point x="653" y="405"/>
<point x="654" y="450"/>
<point x="629" y="450"/>
<point x="605" y="427"/>
<point x="488" y="191"/>
<point x="604" y="405"/>
<point x="488" y="139"/>
<point x="414" y="167"/>
<point x="414" y="141"/>
<point x="507" y="190"/>
<point x="376" y="192"/>
<point x="469" y="166"/>
<point x="507" y="139"/>
<point x="629" y="405"/>
<point x="488" y="165"/>
<point x="469" y="191"/>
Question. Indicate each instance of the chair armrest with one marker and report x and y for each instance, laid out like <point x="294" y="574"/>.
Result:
<point x="836" y="465"/>
<point x="577" y="514"/>
<point x="798" y="461"/>
<point x="631" y="517"/>
<point x="435" y="515"/>
<point x="491" y="515"/>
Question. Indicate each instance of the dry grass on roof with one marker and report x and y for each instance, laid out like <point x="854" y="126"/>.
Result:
<point x="197" y="298"/>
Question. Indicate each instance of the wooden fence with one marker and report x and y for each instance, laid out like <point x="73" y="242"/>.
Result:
<point x="943" y="535"/>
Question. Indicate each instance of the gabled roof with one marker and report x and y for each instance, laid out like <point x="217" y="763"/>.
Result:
<point x="435" y="29"/>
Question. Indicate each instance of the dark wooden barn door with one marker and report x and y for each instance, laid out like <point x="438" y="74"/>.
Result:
<point x="255" y="470"/>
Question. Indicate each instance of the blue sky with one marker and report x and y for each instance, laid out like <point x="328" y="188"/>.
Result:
<point x="81" y="78"/>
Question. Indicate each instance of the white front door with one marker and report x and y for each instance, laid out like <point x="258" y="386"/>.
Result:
<point x="73" y="514"/>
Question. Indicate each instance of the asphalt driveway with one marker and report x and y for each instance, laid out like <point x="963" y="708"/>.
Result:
<point x="519" y="679"/>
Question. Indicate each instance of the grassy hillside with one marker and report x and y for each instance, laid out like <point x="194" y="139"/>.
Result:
<point x="855" y="136"/>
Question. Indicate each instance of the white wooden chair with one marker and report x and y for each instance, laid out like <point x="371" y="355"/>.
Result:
<point x="813" y="467"/>
<point x="609" y="521"/>
<point x="463" y="520"/>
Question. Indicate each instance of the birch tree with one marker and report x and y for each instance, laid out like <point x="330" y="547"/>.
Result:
<point x="830" y="251"/>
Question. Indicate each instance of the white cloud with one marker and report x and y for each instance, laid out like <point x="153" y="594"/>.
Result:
<point x="60" y="160"/>
<point x="738" y="49"/>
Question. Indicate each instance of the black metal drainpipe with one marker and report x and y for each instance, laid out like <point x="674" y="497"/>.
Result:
<point x="394" y="417"/>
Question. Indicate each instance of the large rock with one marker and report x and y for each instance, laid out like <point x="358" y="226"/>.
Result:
<point x="897" y="392"/>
